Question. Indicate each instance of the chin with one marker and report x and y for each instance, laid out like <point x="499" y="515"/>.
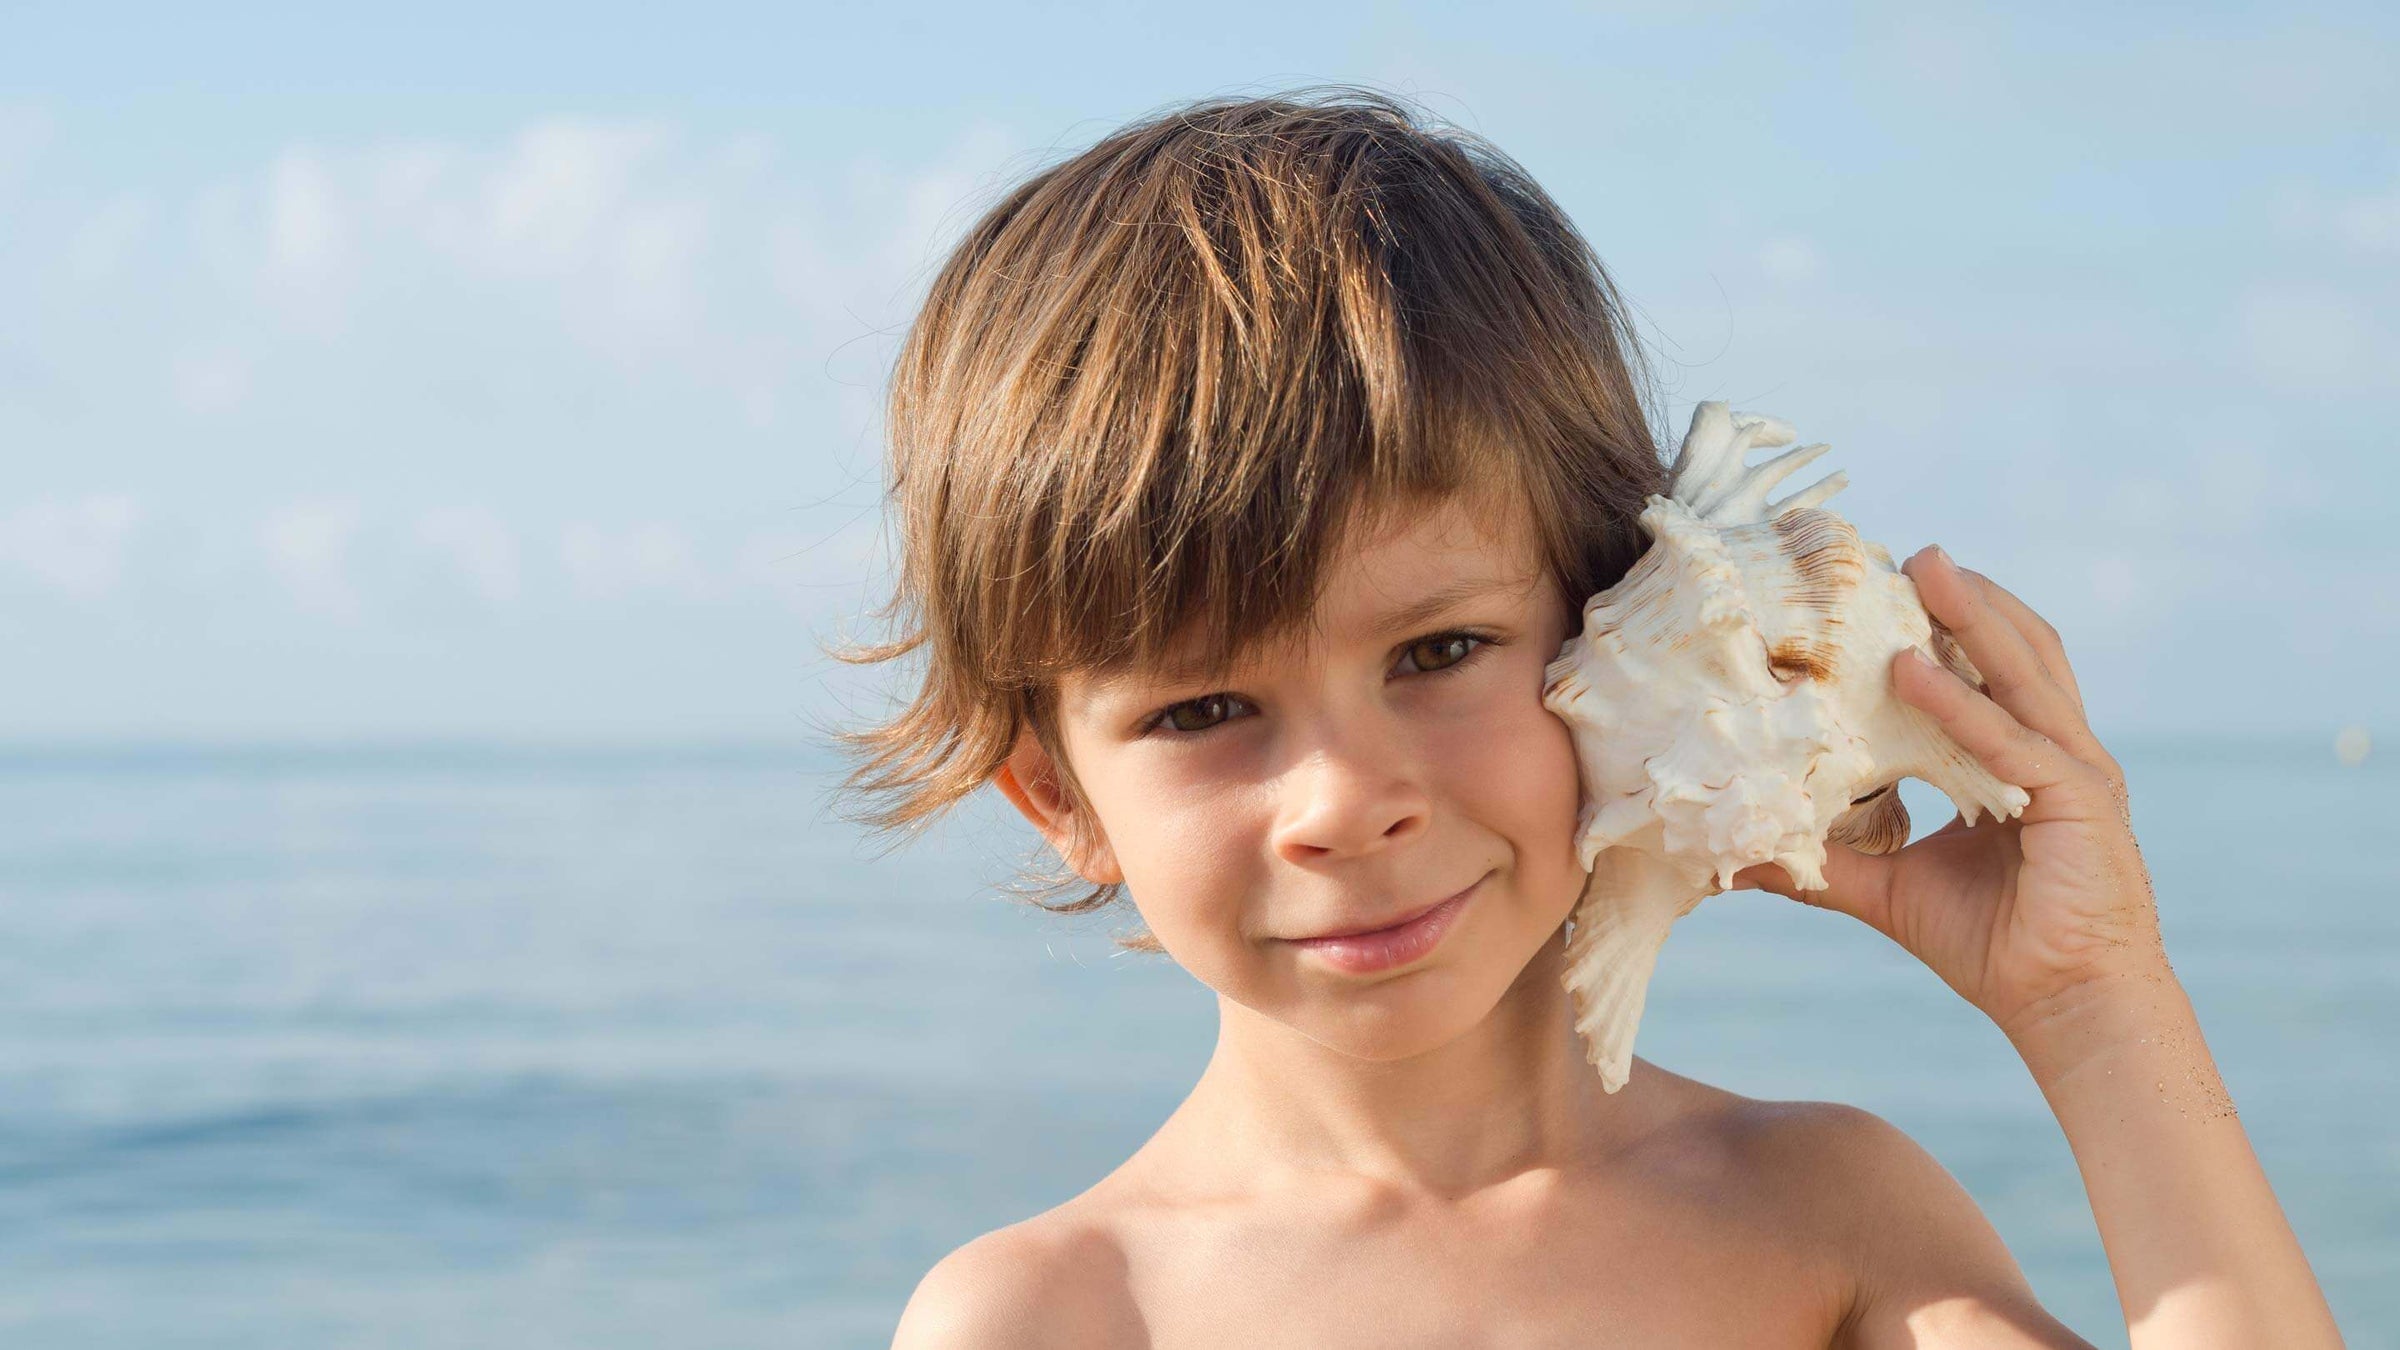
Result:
<point x="1403" y="1018"/>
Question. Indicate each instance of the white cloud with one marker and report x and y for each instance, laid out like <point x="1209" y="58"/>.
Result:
<point x="401" y="178"/>
<point x="76" y="546"/>
<point x="605" y="228"/>
<point x="306" y="243"/>
<point x="799" y="265"/>
<point x="857" y="279"/>
<point x="2116" y="583"/>
<point x="2288" y="74"/>
<point x="2303" y="210"/>
<point x="209" y="380"/>
<point x="746" y="155"/>
<point x="304" y="226"/>
<point x="603" y="212"/>
<point x="2306" y="336"/>
<point x="801" y="566"/>
<point x="98" y="248"/>
<point x="600" y="209"/>
<point x="2241" y="488"/>
<point x="1791" y="260"/>
<point x="479" y="548"/>
<point x="223" y="233"/>
<point x="2371" y="223"/>
<point x="654" y="556"/>
<point x="307" y="545"/>
<point x="24" y="135"/>
<point x="939" y="201"/>
<point x="653" y="266"/>
<point x="563" y="183"/>
<point x="713" y="263"/>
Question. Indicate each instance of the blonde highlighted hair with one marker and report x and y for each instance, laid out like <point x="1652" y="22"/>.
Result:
<point x="1152" y="388"/>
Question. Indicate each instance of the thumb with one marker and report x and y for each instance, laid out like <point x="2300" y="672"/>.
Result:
<point x="1857" y="884"/>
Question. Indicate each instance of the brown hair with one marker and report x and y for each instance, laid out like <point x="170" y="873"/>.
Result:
<point x="1153" y="387"/>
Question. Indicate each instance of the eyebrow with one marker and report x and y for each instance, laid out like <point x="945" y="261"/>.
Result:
<point x="1423" y="609"/>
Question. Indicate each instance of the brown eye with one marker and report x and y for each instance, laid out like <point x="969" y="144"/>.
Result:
<point x="1436" y="653"/>
<point x="1199" y="714"/>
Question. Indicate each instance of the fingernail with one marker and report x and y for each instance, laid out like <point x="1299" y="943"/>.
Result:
<point x="1945" y="557"/>
<point x="1920" y="658"/>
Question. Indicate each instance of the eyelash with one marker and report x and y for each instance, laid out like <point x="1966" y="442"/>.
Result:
<point x="1157" y="721"/>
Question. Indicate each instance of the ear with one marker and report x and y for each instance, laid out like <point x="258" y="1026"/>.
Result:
<point x="1030" y="781"/>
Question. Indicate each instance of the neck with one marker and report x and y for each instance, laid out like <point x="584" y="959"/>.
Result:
<point x="1511" y="1095"/>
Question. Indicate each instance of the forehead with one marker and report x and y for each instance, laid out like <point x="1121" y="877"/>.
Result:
<point x="1393" y="569"/>
<point x="1407" y="559"/>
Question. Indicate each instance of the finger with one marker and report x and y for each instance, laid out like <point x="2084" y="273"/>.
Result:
<point x="2015" y="752"/>
<point x="2044" y="639"/>
<point x="1857" y="884"/>
<point x="2036" y="631"/>
<point x="2018" y="680"/>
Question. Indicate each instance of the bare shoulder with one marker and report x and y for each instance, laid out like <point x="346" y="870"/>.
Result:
<point x="1057" y="1279"/>
<point x="1929" y="1269"/>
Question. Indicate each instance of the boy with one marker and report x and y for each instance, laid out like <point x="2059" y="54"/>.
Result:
<point x="1249" y="468"/>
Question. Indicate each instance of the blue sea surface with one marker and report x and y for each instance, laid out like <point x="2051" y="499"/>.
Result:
<point x="500" y="1047"/>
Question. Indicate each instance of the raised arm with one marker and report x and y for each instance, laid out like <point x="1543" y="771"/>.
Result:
<point x="2200" y="1250"/>
<point x="2048" y="925"/>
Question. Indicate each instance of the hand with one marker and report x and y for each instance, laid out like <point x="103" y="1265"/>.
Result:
<point x="2014" y="915"/>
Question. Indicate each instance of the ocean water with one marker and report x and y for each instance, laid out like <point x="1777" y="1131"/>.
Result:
<point x="480" y="1047"/>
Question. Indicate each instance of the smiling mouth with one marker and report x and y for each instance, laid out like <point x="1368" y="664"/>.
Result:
<point x="1393" y="945"/>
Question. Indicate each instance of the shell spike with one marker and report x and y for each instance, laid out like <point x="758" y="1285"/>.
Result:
<point x="1704" y="444"/>
<point x="1814" y="495"/>
<point x="1710" y="464"/>
<point x="1710" y="478"/>
<point x="1764" y="430"/>
<point x="1746" y="498"/>
<point x="1622" y="921"/>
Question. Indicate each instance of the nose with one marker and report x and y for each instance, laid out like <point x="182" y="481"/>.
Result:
<point x="1350" y="793"/>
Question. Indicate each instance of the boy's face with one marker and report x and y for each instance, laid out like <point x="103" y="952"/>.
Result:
<point x="1397" y="756"/>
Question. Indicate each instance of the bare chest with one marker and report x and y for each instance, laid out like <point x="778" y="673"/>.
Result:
<point x="1643" y="1278"/>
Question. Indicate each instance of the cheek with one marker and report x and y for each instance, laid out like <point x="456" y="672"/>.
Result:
<point x="1516" y="764"/>
<point x="1522" y="767"/>
<point x="1188" y="860"/>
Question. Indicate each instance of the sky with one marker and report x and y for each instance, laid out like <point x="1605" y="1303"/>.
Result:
<point x="513" y="372"/>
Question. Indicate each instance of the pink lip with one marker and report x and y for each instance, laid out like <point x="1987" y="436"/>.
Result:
<point x="1387" y="948"/>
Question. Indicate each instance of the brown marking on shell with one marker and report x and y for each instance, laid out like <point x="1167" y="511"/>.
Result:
<point x="1798" y="658"/>
<point x="1827" y="561"/>
<point x="1876" y="823"/>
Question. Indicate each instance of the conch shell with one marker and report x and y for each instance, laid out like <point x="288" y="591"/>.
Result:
<point x="1731" y="704"/>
